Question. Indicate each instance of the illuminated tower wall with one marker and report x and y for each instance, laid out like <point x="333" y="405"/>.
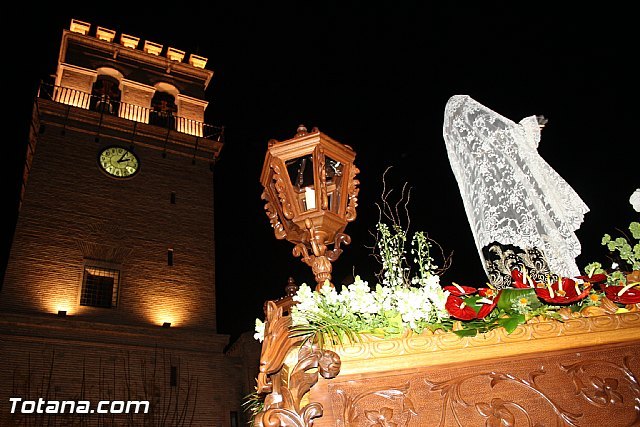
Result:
<point x="107" y="249"/>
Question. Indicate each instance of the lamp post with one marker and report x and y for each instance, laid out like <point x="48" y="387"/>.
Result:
<point x="311" y="194"/>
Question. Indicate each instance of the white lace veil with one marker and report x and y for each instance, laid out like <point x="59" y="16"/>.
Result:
<point x="510" y="194"/>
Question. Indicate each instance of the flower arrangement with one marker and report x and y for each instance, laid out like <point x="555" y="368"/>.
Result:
<point x="411" y="298"/>
<point x="421" y="304"/>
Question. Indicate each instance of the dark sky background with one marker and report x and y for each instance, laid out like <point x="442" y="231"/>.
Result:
<point x="375" y="76"/>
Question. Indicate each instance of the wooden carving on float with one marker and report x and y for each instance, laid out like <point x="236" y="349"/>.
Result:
<point x="571" y="373"/>
<point x="353" y="194"/>
<point x="283" y="404"/>
<point x="272" y="214"/>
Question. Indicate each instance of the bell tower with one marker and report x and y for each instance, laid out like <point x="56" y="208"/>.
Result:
<point x="112" y="261"/>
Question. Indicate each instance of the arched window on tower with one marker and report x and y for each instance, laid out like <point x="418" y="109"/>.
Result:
<point x="105" y="95"/>
<point x="163" y="110"/>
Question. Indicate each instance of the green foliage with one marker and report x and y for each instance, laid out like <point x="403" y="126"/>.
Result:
<point x="594" y="268"/>
<point x="253" y="403"/>
<point x="515" y="307"/>
<point x="392" y="254"/>
<point x="327" y="326"/>
<point x="510" y="299"/>
<point x="627" y="251"/>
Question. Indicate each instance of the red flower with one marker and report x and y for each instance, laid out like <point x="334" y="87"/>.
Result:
<point x="488" y="293"/>
<point x="460" y="290"/>
<point x="518" y="279"/>
<point x="596" y="278"/>
<point x="457" y="308"/>
<point x="567" y="294"/>
<point x="630" y="296"/>
<point x="486" y="308"/>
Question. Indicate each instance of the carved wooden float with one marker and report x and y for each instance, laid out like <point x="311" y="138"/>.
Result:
<point x="581" y="372"/>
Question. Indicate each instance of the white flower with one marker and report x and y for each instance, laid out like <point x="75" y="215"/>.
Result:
<point x="394" y="299"/>
<point x="259" y="335"/>
<point x="306" y="299"/>
<point x="419" y="305"/>
<point x="298" y="317"/>
<point x="329" y="293"/>
<point x="439" y="300"/>
<point x="358" y="297"/>
<point x="635" y="200"/>
<point x="384" y="297"/>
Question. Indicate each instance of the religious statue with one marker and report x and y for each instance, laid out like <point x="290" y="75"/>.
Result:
<point x="523" y="214"/>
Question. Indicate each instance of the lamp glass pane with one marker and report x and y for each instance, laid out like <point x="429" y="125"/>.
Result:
<point x="300" y="172"/>
<point x="333" y="174"/>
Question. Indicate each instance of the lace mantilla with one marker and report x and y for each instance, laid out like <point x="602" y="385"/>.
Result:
<point x="510" y="193"/>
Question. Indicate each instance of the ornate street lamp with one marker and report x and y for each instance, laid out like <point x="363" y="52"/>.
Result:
<point x="311" y="194"/>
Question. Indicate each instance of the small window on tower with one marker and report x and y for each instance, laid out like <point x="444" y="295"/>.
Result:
<point x="105" y="95"/>
<point x="163" y="110"/>
<point x="100" y="286"/>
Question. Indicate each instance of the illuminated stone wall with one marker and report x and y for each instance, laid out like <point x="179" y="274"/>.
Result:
<point x="72" y="213"/>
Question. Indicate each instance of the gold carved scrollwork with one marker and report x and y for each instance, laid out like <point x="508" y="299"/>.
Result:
<point x="321" y="258"/>
<point x="353" y="191"/>
<point x="320" y="265"/>
<point x="341" y="238"/>
<point x="272" y="214"/>
<point x="324" y="199"/>
<point x="287" y="210"/>
<point x="605" y="388"/>
<point x="498" y="411"/>
<point x="366" y="408"/>
<point x="286" y="388"/>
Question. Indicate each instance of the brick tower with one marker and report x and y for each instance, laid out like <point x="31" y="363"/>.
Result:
<point x="109" y="290"/>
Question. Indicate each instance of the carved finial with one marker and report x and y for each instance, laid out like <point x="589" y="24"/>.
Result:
<point x="315" y="129"/>
<point x="271" y="142"/>
<point x="302" y="131"/>
<point x="291" y="288"/>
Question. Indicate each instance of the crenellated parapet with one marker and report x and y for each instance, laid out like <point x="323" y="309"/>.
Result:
<point x="144" y="73"/>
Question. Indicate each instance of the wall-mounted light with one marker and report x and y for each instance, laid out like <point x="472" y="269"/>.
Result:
<point x="166" y="325"/>
<point x="175" y="54"/>
<point x="105" y="34"/>
<point x="81" y="27"/>
<point x="197" y="61"/>
<point x="152" y="48"/>
<point x="129" y="41"/>
<point x="62" y="313"/>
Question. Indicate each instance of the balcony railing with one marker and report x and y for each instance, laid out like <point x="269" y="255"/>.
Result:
<point x="106" y="105"/>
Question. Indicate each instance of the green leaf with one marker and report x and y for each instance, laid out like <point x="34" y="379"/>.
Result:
<point x="511" y="323"/>
<point x="394" y="318"/>
<point x="509" y="297"/>
<point x="472" y="302"/>
<point x="466" y="332"/>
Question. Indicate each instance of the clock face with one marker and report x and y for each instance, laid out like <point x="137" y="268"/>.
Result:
<point x="118" y="162"/>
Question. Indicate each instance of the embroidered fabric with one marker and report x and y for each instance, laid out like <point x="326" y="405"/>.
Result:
<point x="511" y="195"/>
<point x="501" y="260"/>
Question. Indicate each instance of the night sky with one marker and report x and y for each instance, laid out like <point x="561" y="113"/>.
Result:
<point x="375" y="77"/>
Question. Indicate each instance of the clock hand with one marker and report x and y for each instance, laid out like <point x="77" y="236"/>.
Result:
<point x="123" y="159"/>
